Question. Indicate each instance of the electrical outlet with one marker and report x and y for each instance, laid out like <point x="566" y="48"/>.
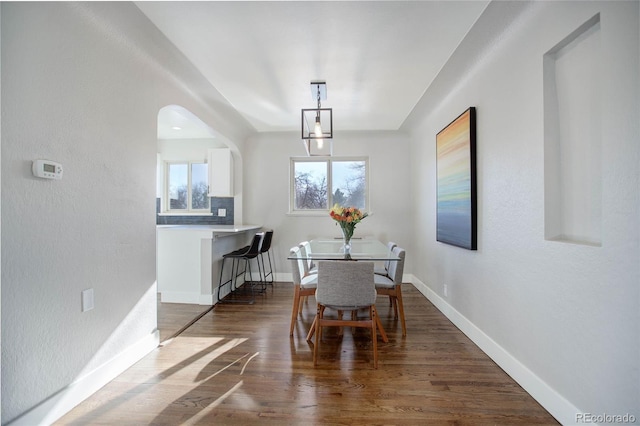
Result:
<point x="446" y="290"/>
<point x="222" y="212"/>
<point x="87" y="300"/>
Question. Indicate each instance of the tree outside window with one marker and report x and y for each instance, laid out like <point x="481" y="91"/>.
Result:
<point x="347" y="179"/>
<point x="349" y="183"/>
<point x="188" y="187"/>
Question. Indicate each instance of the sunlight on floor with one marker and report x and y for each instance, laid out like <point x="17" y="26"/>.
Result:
<point x="189" y="365"/>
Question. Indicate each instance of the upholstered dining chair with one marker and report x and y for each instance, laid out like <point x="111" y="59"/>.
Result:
<point x="346" y="286"/>
<point x="392" y="285"/>
<point x="384" y="269"/>
<point x="309" y="265"/>
<point x="303" y="285"/>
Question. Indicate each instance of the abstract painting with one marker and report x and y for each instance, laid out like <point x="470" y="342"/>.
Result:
<point x="456" y="214"/>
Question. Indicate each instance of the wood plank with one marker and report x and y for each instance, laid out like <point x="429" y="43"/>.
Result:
<point x="238" y="365"/>
<point x="172" y="317"/>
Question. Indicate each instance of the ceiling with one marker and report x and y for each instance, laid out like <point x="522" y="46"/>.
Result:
<point x="377" y="57"/>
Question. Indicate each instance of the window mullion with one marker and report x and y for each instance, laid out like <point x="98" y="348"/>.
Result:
<point x="189" y="186"/>
<point x="166" y="191"/>
<point x="329" y="184"/>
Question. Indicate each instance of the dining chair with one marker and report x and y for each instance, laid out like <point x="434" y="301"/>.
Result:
<point x="384" y="269"/>
<point x="303" y="285"/>
<point x="309" y="266"/>
<point x="391" y="285"/>
<point x="345" y="286"/>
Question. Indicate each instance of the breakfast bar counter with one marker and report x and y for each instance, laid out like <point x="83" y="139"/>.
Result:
<point x="189" y="257"/>
<point x="216" y="229"/>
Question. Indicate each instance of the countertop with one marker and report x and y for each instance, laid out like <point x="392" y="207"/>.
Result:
<point x="218" y="229"/>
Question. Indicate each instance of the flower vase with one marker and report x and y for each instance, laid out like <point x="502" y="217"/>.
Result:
<point x="347" y="233"/>
<point x="346" y="244"/>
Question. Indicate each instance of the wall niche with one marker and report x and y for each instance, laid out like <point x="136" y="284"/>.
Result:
<point x="573" y="137"/>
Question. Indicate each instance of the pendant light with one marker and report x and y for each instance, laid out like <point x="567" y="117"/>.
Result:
<point x="317" y="124"/>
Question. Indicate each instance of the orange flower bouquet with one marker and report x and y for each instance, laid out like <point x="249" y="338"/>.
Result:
<point x="347" y="218"/>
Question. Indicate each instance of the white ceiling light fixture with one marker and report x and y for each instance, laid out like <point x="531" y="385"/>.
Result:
<point x="317" y="124"/>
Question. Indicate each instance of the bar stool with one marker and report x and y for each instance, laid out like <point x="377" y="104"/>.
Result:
<point x="247" y="254"/>
<point x="264" y="248"/>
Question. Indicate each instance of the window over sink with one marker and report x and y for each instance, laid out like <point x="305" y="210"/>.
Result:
<point x="187" y="188"/>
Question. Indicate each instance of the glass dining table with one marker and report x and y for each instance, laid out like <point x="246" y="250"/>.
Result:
<point x="365" y="249"/>
<point x="361" y="249"/>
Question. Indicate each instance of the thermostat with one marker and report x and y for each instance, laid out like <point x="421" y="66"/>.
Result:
<point x="47" y="169"/>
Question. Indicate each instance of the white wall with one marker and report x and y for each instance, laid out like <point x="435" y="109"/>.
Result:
<point x="186" y="149"/>
<point x="266" y="189"/>
<point x="0" y="225"/>
<point x="562" y="318"/>
<point x="82" y="84"/>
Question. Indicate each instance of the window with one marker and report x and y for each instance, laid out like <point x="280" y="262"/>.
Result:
<point x="187" y="187"/>
<point x="312" y="177"/>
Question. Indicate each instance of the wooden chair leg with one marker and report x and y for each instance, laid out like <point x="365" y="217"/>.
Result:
<point x="303" y="301"/>
<point x="294" y="312"/>
<point x="319" y="313"/>
<point x="374" y="335"/>
<point x="401" y="309"/>
<point x="312" y="330"/>
<point x="383" y="334"/>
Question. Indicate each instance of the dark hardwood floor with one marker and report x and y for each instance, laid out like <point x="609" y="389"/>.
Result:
<point x="237" y="365"/>
<point x="173" y="318"/>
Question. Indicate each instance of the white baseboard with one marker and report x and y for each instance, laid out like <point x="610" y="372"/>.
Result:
<point x="286" y="277"/>
<point x="549" y="398"/>
<point x="180" y="297"/>
<point x="189" y="298"/>
<point x="64" y="401"/>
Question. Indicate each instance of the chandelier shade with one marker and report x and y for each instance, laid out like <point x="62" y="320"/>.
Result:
<point x="317" y="123"/>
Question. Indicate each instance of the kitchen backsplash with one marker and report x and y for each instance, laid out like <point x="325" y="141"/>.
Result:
<point x="216" y="203"/>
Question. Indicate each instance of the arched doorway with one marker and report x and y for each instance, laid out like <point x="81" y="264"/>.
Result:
<point x="181" y="198"/>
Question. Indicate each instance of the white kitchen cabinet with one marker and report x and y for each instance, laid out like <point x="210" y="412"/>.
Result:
<point x="220" y="172"/>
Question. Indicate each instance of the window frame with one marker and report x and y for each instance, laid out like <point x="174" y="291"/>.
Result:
<point x="329" y="160"/>
<point x="167" y="199"/>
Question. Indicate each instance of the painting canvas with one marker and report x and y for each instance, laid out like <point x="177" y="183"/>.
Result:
<point x="456" y="182"/>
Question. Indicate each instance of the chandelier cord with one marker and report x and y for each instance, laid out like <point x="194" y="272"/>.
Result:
<point x="318" y="113"/>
